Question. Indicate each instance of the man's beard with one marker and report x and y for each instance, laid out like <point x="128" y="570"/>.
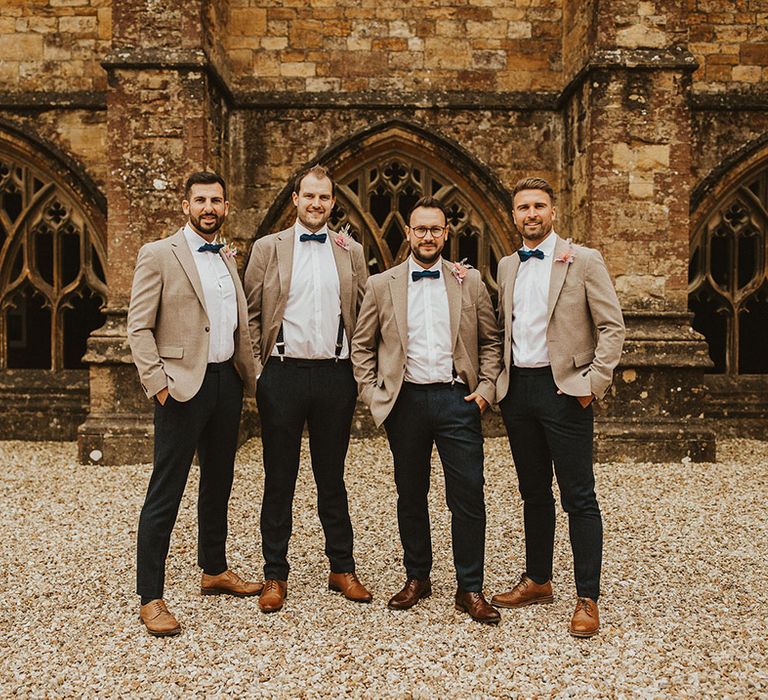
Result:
<point x="534" y="236"/>
<point x="207" y="229"/>
<point x="423" y="257"/>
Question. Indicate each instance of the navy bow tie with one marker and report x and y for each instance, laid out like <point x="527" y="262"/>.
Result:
<point x="432" y="274"/>
<point x="210" y="248"/>
<point x="526" y="254"/>
<point x="319" y="237"/>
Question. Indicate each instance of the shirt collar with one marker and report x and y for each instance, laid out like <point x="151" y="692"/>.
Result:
<point x="194" y="239"/>
<point x="299" y="228"/>
<point x="547" y="246"/>
<point x="413" y="266"/>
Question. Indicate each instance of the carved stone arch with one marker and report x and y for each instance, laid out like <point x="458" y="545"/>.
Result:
<point x="380" y="173"/>
<point x="728" y="270"/>
<point x="53" y="256"/>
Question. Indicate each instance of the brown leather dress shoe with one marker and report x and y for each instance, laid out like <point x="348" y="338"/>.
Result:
<point x="230" y="584"/>
<point x="273" y="595"/>
<point x="350" y="586"/>
<point x="475" y="604"/>
<point x="526" y="592"/>
<point x="413" y="591"/>
<point x="586" y="620"/>
<point x="158" y="619"/>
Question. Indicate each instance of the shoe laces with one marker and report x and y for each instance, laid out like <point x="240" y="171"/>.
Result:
<point x="270" y="585"/>
<point x="584" y="604"/>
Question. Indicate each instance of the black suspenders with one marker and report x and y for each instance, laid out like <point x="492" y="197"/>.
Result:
<point x="280" y="344"/>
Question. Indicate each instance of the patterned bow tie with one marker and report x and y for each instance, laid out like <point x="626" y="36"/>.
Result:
<point x="526" y="254"/>
<point x="431" y="274"/>
<point x="210" y="248"/>
<point x="319" y="237"/>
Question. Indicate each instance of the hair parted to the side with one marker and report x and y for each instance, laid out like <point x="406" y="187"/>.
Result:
<point x="429" y="203"/>
<point x="204" y="177"/>
<point x="319" y="172"/>
<point x="534" y="183"/>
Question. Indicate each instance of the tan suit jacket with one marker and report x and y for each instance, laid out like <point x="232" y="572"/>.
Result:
<point x="268" y="281"/>
<point x="585" y="328"/>
<point x="168" y="325"/>
<point x="380" y="345"/>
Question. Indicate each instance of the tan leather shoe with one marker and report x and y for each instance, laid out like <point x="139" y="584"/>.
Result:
<point x="228" y="583"/>
<point x="410" y="594"/>
<point x="475" y="604"/>
<point x="350" y="586"/>
<point x="586" y="620"/>
<point x="526" y="592"/>
<point x="273" y="595"/>
<point x="158" y="619"/>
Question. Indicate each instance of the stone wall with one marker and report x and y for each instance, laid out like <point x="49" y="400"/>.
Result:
<point x="730" y="42"/>
<point x="268" y="146"/>
<point x="54" y="45"/>
<point x="390" y="45"/>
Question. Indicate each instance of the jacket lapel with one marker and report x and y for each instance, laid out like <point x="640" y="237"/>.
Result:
<point x="557" y="276"/>
<point x="343" y="260"/>
<point x="509" y="289"/>
<point x="398" y="289"/>
<point x="184" y="256"/>
<point x="453" y="289"/>
<point x="284" y="251"/>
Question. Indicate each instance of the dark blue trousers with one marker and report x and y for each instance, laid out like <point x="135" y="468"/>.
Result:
<point x="545" y="427"/>
<point x="209" y="423"/>
<point x="437" y="414"/>
<point x="322" y="394"/>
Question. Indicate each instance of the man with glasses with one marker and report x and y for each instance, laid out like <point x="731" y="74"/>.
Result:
<point x="426" y="354"/>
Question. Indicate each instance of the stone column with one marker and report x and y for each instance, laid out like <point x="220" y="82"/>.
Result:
<point x="627" y="172"/>
<point x="162" y="116"/>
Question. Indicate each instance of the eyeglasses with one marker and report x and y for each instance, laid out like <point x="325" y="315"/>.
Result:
<point x="435" y="231"/>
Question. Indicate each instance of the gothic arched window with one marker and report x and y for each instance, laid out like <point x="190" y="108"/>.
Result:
<point x="728" y="278"/>
<point x="52" y="281"/>
<point x="381" y="176"/>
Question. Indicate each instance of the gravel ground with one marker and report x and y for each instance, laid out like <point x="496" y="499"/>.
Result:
<point x="683" y="608"/>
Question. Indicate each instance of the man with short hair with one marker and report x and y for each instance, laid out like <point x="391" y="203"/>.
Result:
<point x="188" y="332"/>
<point x="426" y="355"/>
<point x="563" y="333"/>
<point x="304" y="286"/>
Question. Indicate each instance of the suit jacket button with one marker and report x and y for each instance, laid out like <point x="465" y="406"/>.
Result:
<point x="207" y="329"/>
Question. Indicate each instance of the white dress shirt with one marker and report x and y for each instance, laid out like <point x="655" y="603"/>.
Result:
<point x="313" y="309"/>
<point x="430" y="357"/>
<point x="529" y="327"/>
<point x="220" y="299"/>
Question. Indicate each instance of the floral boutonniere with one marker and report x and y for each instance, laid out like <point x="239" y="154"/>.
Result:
<point x="568" y="256"/>
<point x="342" y="238"/>
<point x="459" y="270"/>
<point x="229" y="249"/>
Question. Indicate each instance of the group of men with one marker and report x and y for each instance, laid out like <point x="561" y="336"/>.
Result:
<point x="309" y="331"/>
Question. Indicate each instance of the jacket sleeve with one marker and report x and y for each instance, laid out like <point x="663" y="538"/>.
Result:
<point x="606" y="315"/>
<point x="489" y="345"/>
<point x="142" y="315"/>
<point x="364" y="352"/>
<point x="253" y="284"/>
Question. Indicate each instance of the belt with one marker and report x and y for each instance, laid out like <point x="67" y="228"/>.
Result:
<point x="434" y="385"/>
<point x="218" y="366"/>
<point x="531" y="371"/>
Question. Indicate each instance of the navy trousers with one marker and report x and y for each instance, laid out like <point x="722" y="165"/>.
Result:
<point x="437" y="414"/>
<point x="322" y="394"/>
<point x="209" y="423"/>
<point x="545" y="427"/>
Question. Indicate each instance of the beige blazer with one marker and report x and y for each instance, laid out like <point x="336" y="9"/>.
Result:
<point x="268" y="281"/>
<point x="585" y="328"/>
<point x="380" y="344"/>
<point x="168" y="325"/>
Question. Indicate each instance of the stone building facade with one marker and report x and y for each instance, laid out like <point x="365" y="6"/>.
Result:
<point x="650" y="117"/>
